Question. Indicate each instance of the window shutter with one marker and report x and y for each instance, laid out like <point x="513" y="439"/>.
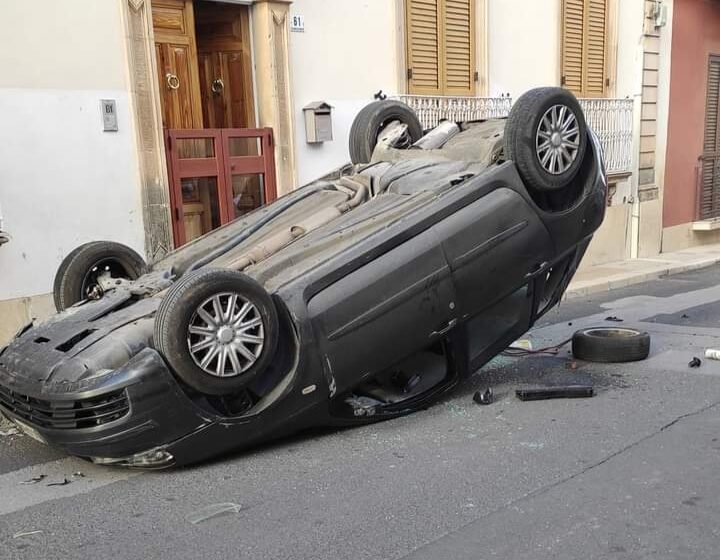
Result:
<point x="459" y="42"/>
<point x="710" y="199"/>
<point x="572" y="44"/>
<point x="595" y="72"/>
<point x="584" y="47"/>
<point x="423" y="42"/>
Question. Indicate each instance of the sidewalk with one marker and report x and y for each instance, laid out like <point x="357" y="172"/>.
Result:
<point x="604" y="277"/>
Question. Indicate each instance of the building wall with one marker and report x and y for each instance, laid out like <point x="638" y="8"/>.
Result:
<point x="696" y="34"/>
<point x="348" y="51"/>
<point x="62" y="180"/>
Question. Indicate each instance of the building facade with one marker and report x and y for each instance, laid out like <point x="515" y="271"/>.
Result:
<point x="216" y="67"/>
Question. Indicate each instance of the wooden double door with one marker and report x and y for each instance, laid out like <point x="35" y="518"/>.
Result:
<point x="204" y="72"/>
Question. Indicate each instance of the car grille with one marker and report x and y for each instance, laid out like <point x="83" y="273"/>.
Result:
<point x="65" y="415"/>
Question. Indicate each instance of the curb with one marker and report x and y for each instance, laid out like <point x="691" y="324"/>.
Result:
<point x="630" y="279"/>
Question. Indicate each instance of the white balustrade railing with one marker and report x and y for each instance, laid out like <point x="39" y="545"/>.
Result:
<point x="611" y="119"/>
<point x="431" y="109"/>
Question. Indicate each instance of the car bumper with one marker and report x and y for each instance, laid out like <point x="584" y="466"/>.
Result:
<point x="150" y="412"/>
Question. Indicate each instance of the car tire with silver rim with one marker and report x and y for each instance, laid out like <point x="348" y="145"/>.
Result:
<point x="611" y="344"/>
<point x="217" y="329"/>
<point x="546" y="138"/>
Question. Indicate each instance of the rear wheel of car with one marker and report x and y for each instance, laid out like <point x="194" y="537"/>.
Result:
<point x="78" y="276"/>
<point x="217" y="329"/>
<point x="611" y="344"/>
<point x="546" y="137"/>
<point x="370" y="122"/>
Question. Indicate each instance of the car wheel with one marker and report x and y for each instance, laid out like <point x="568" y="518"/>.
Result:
<point x="610" y="344"/>
<point x="218" y="329"/>
<point x="546" y="138"/>
<point x="77" y="278"/>
<point x="370" y="122"/>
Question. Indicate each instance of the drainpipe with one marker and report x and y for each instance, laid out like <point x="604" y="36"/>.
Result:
<point x="634" y="184"/>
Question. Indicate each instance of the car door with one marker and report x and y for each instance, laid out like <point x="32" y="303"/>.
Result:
<point x="391" y="307"/>
<point x="494" y="246"/>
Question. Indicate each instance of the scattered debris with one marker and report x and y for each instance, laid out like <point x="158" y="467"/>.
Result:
<point x="571" y="365"/>
<point x="213" y="510"/>
<point x="552" y="350"/>
<point x="614" y="319"/>
<point x="484" y="397"/>
<point x="34" y="479"/>
<point x="79" y="474"/>
<point x="570" y="324"/>
<point x="10" y="432"/>
<point x="559" y="392"/>
<point x="26" y="534"/>
<point x="695" y="362"/>
<point x="684" y="316"/>
<point x="521" y="344"/>
<point x="712" y="354"/>
<point x="63" y="483"/>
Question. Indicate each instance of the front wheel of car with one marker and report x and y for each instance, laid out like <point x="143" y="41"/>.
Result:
<point x="217" y="329"/>
<point x="546" y="138"/>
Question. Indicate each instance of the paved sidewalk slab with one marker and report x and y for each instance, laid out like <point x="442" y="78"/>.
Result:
<point x="610" y="276"/>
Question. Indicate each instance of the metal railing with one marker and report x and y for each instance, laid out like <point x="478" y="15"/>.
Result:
<point x="611" y="119"/>
<point x="431" y="109"/>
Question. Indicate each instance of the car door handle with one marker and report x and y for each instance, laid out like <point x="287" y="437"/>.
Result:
<point x="539" y="269"/>
<point x="446" y="329"/>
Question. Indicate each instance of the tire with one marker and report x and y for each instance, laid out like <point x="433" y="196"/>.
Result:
<point x="611" y="344"/>
<point x="178" y="311"/>
<point x="74" y="275"/>
<point x="370" y="122"/>
<point x="523" y="132"/>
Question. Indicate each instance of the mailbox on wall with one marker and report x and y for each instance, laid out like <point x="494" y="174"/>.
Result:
<point x="318" y="122"/>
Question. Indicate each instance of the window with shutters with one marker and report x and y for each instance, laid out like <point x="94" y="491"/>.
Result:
<point x="584" y="47"/>
<point x="710" y="159"/>
<point x="441" y="47"/>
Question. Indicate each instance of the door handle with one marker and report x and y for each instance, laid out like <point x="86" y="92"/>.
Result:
<point x="173" y="81"/>
<point x="539" y="269"/>
<point x="217" y="85"/>
<point x="446" y="329"/>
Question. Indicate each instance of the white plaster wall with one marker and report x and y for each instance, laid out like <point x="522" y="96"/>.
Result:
<point x="348" y="51"/>
<point x="62" y="180"/>
<point x="523" y="45"/>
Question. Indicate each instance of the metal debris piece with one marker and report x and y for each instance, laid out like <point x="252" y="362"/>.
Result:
<point x="34" y="479"/>
<point x="695" y="362"/>
<point x="614" y="319"/>
<point x="26" y="533"/>
<point x="484" y="397"/>
<point x="63" y="483"/>
<point x="559" y="392"/>
<point x="213" y="510"/>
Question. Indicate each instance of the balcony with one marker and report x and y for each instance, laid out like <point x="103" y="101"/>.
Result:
<point x="611" y="119"/>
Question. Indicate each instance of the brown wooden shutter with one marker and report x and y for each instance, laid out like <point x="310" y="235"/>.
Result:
<point x="423" y="46"/>
<point x="710" y="199"/>
<point x="572" y="44"/>
<point x="584" y="47"/>
<point x="596" y="32"/>
<point x="459" y="42"/>
<point x="441" y="47"/>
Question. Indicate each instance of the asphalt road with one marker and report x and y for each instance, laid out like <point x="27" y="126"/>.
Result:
<point x="630" y="473"/>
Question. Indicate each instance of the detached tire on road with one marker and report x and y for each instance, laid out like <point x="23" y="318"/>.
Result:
<point x="611" y="344"/>
<point x="77" y="273"/>
<point x="218" y="330"/>
<point x="546" y="137"/>
<point x="370" y="122"/>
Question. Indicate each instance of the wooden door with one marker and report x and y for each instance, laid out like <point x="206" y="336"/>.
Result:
<point x="223" y="42"/>
<point x="176" y="53"/>
<point x="710" y="160"/>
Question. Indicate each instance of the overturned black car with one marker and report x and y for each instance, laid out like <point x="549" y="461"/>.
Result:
<point x="360" y="297"/>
